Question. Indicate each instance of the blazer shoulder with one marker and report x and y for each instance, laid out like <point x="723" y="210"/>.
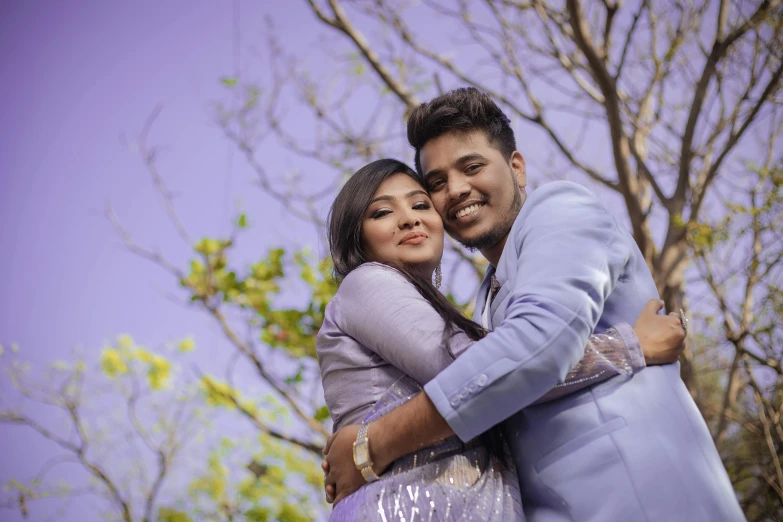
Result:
<point x="558" y="202"/>
<point x="561" y="193"/>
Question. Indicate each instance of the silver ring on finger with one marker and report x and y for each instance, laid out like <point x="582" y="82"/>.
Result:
<point x="684" y="321"/>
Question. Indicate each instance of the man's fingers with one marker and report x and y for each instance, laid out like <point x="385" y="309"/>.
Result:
<point x="329" y="487"/>
<point x="676" y="321"/>
<point x="329" y="442"/>
<point x="325" y="466"/>
<point x="329" y="490"/>
<point x="653" y="306"/>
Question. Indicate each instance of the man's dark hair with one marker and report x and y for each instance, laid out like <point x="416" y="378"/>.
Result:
<point x="462" y="110"/>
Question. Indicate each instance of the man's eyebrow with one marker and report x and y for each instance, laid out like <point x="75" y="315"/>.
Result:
<point x="460" y="161"/>
<point x="469" y="157"/>
<point x="407" y="196"/>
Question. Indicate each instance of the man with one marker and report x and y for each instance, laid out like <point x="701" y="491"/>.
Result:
<point x="561" y="268"/>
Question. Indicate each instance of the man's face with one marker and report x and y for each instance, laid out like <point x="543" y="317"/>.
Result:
<point x="476" y="191"/>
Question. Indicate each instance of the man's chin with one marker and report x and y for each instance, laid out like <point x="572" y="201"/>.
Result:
<point x="480" y="240"/>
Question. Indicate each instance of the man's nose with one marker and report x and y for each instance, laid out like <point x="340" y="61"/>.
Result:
<point x="457" y="187"/>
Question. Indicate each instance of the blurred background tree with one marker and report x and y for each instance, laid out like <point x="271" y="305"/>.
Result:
<point x="671" y="111"/>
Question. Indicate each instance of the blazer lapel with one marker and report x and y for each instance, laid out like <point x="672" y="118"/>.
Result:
<point x="481" y="297"/>
<point x="494" y="307"/>
<point x="506" y="274"/>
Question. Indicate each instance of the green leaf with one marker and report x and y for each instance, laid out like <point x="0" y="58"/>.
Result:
<point x="321" y="414"/>
<point x="187" y="345"/>
<point x="228" y="81"/>
<point x="242" y="221"/>
<point x="172" y="515"/>
<point x="258" y="514"/>
<point x="296" y="378"/>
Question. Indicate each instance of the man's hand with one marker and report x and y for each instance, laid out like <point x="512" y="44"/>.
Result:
<point x="411" y="427"/>
<point x="341" y="476"/>
<point x="660" y="336"/>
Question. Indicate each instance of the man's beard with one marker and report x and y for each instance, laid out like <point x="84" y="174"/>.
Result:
<point x="496" y="234"/>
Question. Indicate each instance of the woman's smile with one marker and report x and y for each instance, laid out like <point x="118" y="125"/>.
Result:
<point x="414" y="238"/>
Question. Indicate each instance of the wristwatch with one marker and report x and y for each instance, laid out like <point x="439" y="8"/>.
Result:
<point x="361" y="455"/>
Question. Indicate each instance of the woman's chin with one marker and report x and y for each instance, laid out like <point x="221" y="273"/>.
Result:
<point x="424" y="265"/>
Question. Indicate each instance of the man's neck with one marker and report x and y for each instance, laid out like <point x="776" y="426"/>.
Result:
<point x="493" y="253"/>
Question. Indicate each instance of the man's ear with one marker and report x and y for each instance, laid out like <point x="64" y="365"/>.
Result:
<point x="520" y="169"/>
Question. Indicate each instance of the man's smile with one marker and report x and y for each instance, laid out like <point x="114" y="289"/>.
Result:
<point x="467" y="212"/>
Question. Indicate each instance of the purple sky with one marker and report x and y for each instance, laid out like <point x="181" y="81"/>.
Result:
<point x="75" y="79"/>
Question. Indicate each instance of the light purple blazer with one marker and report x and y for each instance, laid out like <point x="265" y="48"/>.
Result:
<point x="628" y="449"/>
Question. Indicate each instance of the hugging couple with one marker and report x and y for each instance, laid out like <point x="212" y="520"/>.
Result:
<point x="547" y="406"/>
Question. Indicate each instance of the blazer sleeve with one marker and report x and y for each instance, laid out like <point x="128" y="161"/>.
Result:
<point x="383" y="312"/>
<point x="574" y="255"/>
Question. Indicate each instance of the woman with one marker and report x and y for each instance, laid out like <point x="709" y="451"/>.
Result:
<point x="388" y="331"/>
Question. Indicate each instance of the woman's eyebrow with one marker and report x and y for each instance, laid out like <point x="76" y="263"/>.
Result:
<point x="407" y="196"/>
<point x="415" y="193"/>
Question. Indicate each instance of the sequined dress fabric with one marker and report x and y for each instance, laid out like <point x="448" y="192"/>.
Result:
<point x="451" y="481"/>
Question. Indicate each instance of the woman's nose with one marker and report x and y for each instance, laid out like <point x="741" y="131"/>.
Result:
<point x="408" y="219"/>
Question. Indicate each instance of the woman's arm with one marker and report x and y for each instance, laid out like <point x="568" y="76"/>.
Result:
<point x="381" y="310"/>
<point x="613" y="352"/>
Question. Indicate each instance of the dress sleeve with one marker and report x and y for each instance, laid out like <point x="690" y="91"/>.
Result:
<point x="614" y="352"/>
<point x="382" y="311"/>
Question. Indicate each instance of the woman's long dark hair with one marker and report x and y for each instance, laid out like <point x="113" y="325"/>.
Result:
<point x="345" y="244"/>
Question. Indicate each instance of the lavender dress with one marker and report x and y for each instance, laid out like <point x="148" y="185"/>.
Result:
<point x="379" y="343"/>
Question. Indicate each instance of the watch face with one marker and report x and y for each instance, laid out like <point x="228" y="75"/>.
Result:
<point x="361" y="456"/>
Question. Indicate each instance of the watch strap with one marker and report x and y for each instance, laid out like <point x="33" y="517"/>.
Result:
<point x="362" y="444"/>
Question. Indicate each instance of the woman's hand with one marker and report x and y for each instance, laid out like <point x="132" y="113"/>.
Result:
<point x="660" y="336"/>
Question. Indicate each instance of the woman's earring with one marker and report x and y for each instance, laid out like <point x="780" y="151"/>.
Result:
<point x="438" y="276"/>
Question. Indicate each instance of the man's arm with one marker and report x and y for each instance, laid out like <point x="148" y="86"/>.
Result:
<point x="390" y="438"/>
<point x="661" y="336"/>
<point x="574" y="254"/>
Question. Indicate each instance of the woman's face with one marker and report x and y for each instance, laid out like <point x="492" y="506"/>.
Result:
<point x="401" y="227"/>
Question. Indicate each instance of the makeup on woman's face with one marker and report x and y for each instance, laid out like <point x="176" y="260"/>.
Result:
<point x="402" y="227"/>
